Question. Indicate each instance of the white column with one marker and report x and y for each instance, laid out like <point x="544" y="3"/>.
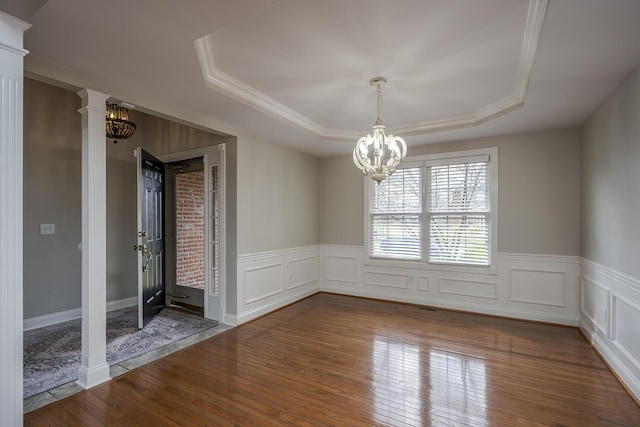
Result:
<point x="11" y="87"/>
<point x="94" y="369"/>
<point x="11" y="191"/>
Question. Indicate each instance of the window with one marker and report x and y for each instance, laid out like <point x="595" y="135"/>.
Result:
<point x="395" y="207"/>
<point x="436" y="209"/>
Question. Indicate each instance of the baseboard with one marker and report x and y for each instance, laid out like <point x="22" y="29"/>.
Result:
<point x="626" y="377"/>
<point x="76" y="313"/>
<point x="469" y="308"/>
<point x="230" y="319"/>
<point x="122" y="303"/>
<point x="268" y="308"/>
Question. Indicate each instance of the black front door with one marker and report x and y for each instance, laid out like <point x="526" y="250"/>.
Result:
<point x="151" y="298"/>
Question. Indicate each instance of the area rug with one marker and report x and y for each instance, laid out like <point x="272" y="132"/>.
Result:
<point x="52" y="355"/>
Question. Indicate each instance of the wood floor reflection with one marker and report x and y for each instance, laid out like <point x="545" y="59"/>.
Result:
<point x="336" y="360"/>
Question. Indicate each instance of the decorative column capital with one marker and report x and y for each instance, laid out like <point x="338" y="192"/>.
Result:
<point x="11" y="34"/>
<point x="93" y="100"/>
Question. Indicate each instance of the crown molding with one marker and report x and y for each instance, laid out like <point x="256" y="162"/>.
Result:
<point x="235" y="89"/>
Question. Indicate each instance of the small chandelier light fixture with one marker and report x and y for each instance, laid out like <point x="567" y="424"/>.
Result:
<point x="118" y="124"/>
<point x="377" y="154"/>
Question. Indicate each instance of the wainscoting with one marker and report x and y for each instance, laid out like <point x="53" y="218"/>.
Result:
<point x="610" y="319"/>
<point x="270" y="280"/>
<point x="532" y="287"/>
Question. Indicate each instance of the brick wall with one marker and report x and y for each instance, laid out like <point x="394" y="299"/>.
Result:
<point x="190" y="229"/>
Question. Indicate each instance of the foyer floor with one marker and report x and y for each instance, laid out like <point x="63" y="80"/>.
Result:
<point x="70" y="388"/>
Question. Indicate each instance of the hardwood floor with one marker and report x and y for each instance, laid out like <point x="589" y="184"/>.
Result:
<point x="337" y="360"/>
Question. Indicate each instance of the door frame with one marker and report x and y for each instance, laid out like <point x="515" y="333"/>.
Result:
<point x="194" y="298"/>
<point x="210" y="153"/>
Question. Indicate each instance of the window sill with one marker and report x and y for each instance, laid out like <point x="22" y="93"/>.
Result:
<point x="420" y="265"/>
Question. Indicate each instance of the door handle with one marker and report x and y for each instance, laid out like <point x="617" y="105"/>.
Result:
<point x="146" y="252"/>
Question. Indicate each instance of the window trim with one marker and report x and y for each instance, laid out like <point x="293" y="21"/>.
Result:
<point x="436" y="159"/>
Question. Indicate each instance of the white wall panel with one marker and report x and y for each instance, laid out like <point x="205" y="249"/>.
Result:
<point x="626" y="328"/>
<point x="595" y="304"/>
<point x="537" y="287"/>
<point x="262" y="282"/>
<point x="470" y="288"/>
<point x="389" y="280"/>
<point x="341" y="269"/>
<point x="303" y="271"/>
<point x="424" y="283"/>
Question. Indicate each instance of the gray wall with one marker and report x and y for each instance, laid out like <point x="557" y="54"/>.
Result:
<point x="341" y="202"/>
<point x="611" y="180"/>
<point x="52" y="171"/>
<point x="52" y="188"/>
<point x="539" y="192"/>
<point x="277" y="196"/>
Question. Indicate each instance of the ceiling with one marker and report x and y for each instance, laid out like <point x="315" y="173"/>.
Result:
<point x="298" y="71"/>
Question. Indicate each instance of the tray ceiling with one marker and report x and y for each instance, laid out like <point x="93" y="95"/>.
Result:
<point x="297" y="71"/>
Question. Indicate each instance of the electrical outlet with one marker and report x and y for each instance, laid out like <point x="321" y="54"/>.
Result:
<point x="47" y="229"/>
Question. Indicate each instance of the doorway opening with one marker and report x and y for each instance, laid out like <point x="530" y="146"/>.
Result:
<point x="186" y="197"/>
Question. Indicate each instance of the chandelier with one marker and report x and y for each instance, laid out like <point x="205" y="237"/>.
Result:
<point x="118" y="124"/>
<point x="377" y="154"/>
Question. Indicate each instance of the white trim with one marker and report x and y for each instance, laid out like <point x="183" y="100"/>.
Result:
<point x="256" y="256"/>
<point x="122" y="303"/>
<point x="230" y="319"/>
<point x="75" y="313"/>
<point x="235" y="89"/>
<point x="191" y="154"/>
<point x="53" y="318"/>
<point x="212" y="155"/>
<point x="614" y="274"/>
<point x="564" y="259"/>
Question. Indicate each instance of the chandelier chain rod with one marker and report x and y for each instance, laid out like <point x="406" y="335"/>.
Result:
<point x="379" y="93"/>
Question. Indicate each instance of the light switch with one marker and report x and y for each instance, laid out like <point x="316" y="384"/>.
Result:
<point x="47" y="229"/>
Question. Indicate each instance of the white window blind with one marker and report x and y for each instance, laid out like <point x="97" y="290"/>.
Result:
<point x="458" y="212"/>
<point x="395" y="206"/>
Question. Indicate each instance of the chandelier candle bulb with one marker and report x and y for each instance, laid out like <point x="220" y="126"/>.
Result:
<point x="378" y="154"/>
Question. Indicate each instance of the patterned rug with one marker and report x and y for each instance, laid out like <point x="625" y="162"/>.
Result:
<point x="52" y="355"/>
